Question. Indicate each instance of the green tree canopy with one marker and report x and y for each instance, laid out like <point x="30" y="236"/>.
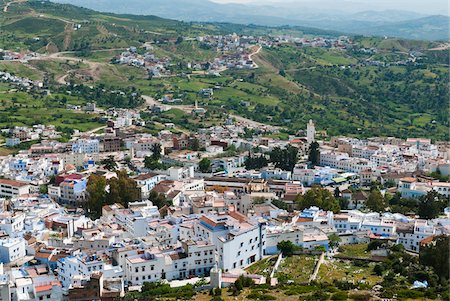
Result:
<point x="431" y="205"/>
<point x="376" y="201"/>
<point x="314" y="153"/>
<point x="122" y="190"/>
<point x="205" y="165"/>
<point x="319" y="197"/>
<point x="436" y="255"/>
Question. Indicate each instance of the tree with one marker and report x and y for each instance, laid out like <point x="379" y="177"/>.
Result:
<point x="158" y="199"/>
<point x="333" y="240"/>
<point x="319" y="197"/>
<point x="279" y="204"/>
<point x="376" y="201"/>
<point x="255" y="162"/>
<point x="287" y="247"/>
<point x="378" y="269"/>
<point x="205" y="165"/>
<point x="96" y="195"/>
<point x="109" y="163"/>
<point x="343" y="203"/>
<point x="431" y="205"/>
<point x="284" y="158"/>
<point x="122" y="190"/>
<point x="150" y="163"/>
<point x="195" y="144"/>
<point x="314" y="153"/>
<point x="337" y="192"/>
<point x="156" y="151"/>
<point x="436" y="255"/>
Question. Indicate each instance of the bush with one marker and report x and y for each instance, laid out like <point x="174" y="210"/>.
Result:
<point x="319" y="296"/>
<point x="260" y="295"/>
<point x="374" y="245"/>
<point x="378" y="269"/>
<point x="299" y="289"/>
<point x="340" y="296"/>
<point x="360" y="297"/>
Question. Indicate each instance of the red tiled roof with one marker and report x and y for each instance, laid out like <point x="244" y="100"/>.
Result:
<point x="13" y="183"/>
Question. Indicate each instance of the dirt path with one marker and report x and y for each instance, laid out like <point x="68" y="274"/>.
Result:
<point x="317" y="267"/>
<point x="94" y="68"/>
<point x="68" y="30"/>
<point x="6" y="7"/>
<point x="255" y="53"/>
<point x="90" y="132"/>
<point x="150" y="101"/>
<point x="441" y="47"/>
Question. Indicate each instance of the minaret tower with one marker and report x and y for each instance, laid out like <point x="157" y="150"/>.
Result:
<point x="310" y="132"/>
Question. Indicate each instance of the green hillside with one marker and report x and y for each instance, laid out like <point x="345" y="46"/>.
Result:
<point x="339" y="89"/>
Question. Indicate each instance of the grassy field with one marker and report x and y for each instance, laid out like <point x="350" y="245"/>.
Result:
<point x="296" y="268"/>
<point x="356" y="250"/>
<point x="263" y="267"/>
<point x="22" y="109"/>
<point x="21" y="69"/>
<point x="345" y="270"/>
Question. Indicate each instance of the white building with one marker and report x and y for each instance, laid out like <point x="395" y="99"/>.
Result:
<point x="412" y="234"/>
<point x="11" y="249"/>
<point x="239" y="240"/>
<point x="11" y="188"/>
<point x="12" y="222"/>
<point x="86" y="146"/>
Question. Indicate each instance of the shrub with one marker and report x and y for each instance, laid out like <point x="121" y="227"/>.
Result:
<point x="260" y="295"/>
<point x="378" y="269"/>
<point x="339" y="296"/>
<point x="360" y="297"/>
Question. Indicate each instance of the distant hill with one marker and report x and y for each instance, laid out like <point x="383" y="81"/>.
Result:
<point x="432" y="27"/>
<point x="394" y="23"/>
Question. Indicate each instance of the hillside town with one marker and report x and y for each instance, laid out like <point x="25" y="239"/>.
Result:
<point x="149" y="159"/>
<point x="111" y="209"/>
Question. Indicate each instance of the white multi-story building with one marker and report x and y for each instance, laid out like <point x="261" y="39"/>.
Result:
<point x="12" y="222"/>
<point x="79" y="265"/>
<point x="86" y="146"/>
<point x="195" y="259"/>
<point x="146" y="182"/>
<point x="346" y="223"/>
<point x="11" y="188"/>
<point x="379" y="227"/>
<point x="239" y="240"/>
<point x="412" y="234"/>
<point x="11" y="249"/>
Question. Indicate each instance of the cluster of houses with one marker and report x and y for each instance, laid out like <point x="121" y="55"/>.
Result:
<point x="155" y="66"/>
<point x="18" y="134"/>
<point x="7" y="55"/>
<point x="219" y="222"/>
<point x="20" y="82"/>
<point x="341" y="43"/>
<point x="49" y="251"/>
